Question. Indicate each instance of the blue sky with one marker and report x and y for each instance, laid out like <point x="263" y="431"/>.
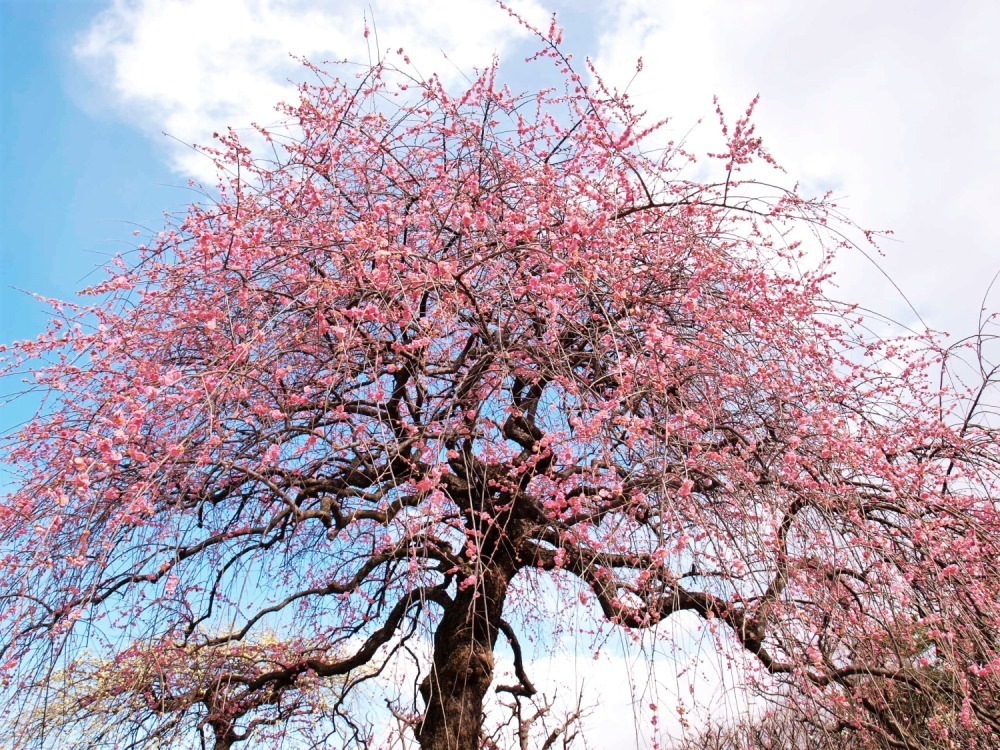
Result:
<point x="892" y="104"/>
<point x="75" y="179"/>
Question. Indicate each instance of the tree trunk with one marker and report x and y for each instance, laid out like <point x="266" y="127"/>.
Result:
<point x="454" y="691"/>
<point x="225" y="739"/>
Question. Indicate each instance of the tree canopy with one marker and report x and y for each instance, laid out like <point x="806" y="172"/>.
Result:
<point x="441" y="355"/>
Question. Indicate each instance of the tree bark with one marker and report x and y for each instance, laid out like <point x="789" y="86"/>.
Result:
<point x="462" y="671"/>
<point x="224" y="737"/>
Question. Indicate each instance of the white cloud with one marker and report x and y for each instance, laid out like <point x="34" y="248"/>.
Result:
<point x="192" y="67"/>
<point x="892" y="104"/>
<point x="680" y="671"/>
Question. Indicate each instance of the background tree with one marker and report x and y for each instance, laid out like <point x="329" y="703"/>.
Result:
<point x="777" y="730"/>
<point x="159" y="695"/>
<point x="929" y="719"/>
<point x="444" y="353"/>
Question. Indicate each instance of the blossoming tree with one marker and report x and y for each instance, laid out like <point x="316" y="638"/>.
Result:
<point x="441" y="356"/>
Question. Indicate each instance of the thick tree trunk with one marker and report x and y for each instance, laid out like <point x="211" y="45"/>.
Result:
<point x="225" y="739"/>
<point x="455" y="689"/>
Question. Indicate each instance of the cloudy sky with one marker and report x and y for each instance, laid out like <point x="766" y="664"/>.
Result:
<point x="893" y="105"/>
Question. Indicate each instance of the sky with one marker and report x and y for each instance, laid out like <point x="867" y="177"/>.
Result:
<point x="892" y="105"/>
